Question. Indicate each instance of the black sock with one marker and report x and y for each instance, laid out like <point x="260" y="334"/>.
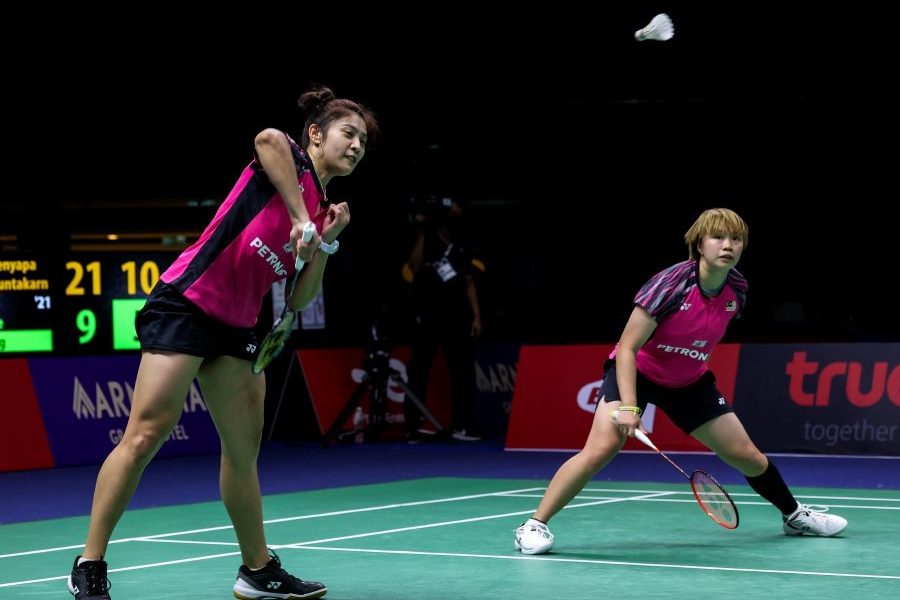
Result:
<point x="772" y="487"/>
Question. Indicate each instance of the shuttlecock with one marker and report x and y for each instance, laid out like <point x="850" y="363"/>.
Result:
<point x="660" y="29"/>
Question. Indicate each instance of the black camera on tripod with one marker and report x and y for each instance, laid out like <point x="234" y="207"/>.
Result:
<point x="378" y="374"/>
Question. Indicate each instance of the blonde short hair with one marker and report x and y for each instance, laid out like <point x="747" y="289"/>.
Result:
<point x="712" y="221"/>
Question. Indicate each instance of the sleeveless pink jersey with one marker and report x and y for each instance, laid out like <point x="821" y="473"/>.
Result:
<point x="689" y="324"/>
<point x="246" y="247"/>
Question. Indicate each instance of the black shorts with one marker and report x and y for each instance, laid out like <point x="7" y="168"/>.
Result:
<point x="689" y="407"/>
<point x="171" y="322"/>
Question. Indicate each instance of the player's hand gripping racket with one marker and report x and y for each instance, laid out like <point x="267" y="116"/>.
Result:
<point x="281" y="329"/>
<point x="711" y="496"/>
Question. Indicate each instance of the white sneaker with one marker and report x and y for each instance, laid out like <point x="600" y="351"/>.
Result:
<point x="533" y="537"/>
<point x="461" y="435"/>
<point x="812" y="519"/>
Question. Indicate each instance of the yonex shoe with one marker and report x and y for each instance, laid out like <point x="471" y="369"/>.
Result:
<point x="814" y="520"/>
<point x="88" y="580"/>
<point x="274" y="583"/>
<point x="533" y="537"/>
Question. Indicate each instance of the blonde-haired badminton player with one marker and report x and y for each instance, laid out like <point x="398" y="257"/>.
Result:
<point x="679" y="316"/>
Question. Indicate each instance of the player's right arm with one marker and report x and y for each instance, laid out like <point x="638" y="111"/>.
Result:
<point x="638" y="329"/>
<point x="274" y="154"/>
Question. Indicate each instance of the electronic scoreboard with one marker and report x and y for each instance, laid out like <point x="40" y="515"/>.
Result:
<point x="82" y="303"/>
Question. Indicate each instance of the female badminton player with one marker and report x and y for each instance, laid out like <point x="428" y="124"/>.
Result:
<point x="198" y="322"/>
<point x="678" y="318"/>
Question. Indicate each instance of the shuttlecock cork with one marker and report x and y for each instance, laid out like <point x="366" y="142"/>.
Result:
<point x="660" y="28"/>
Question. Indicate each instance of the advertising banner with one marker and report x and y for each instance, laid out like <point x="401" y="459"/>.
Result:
<point x="495" y="382"/>
<point x="23" y="441"/>
<point x="821" y="398"/>
<point x="558" y="387"/>
<point x="85" y="404"/>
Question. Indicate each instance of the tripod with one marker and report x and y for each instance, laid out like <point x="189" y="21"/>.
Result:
<point x="378" y="373"/>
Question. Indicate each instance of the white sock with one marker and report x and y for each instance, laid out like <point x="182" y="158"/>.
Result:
<point x="533" y="521"/>
<point x="84" y="560"/>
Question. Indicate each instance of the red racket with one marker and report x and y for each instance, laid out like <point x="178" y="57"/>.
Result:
<point x="711" y="496"/>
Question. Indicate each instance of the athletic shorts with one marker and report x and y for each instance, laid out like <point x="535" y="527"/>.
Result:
<point x="689" y="407"/>
<point x="171" y="322"/>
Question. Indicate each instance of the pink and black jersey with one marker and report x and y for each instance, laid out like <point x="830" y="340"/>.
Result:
<point x="689" y="323"/>
<point x="246" y="247"/>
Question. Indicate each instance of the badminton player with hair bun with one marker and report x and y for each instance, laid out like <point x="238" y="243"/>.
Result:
<point x="199" y="320"/>
<point x="689" y="302"/>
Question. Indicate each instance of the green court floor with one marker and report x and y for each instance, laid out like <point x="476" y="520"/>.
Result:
<point x="443" y="538"/>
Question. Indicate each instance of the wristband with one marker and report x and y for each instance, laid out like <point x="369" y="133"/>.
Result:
<point x="329" y="248"/>
<point x="632" y="409"/>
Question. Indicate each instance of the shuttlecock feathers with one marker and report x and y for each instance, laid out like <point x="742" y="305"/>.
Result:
<point x="660" y="29"/>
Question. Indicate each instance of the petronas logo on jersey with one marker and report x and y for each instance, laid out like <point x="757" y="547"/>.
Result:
<point x="269" y="256"/>
<point x="731" y="306"/>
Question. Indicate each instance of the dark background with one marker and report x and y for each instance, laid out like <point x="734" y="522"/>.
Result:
<point x="581" y="155"/>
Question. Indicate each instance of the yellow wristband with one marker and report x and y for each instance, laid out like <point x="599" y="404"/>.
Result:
<point x="632" y="409"/>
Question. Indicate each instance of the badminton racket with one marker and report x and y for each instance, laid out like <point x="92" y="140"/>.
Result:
<point x="275" y="340"/>
<point x="711" y="496"/>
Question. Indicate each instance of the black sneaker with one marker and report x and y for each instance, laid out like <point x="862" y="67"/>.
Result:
<point x="88" y="581"/>
<point x="274" y="583"/>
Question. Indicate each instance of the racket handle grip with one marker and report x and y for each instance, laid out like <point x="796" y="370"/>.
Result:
<point x="643" y="438"/>
<point x="309" y="230"/>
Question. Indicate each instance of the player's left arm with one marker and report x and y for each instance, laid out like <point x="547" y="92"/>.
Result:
<point x="310" y="283"/>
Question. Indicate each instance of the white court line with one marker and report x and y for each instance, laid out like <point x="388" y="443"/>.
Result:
<point x="134" y="568"/>
<point x="454" y="522"/>
<point x="281" y="520"/>
<point x="646" y="495"/>
<point x="691" y="500"/>
<point x="751" y="494"/>
<point x="512" y="493"/>
<point x="607" y="562"/>
<point x="419" y="527"/>
<point x="300" y="544"/>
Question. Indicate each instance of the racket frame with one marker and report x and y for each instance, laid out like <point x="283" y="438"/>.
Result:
<point x="642" y="437"/>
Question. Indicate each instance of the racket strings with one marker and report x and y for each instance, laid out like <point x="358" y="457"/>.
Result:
<point x="714" y="499"/>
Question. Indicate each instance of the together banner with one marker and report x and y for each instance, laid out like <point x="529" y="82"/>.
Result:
<point x="821" y="398"/>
